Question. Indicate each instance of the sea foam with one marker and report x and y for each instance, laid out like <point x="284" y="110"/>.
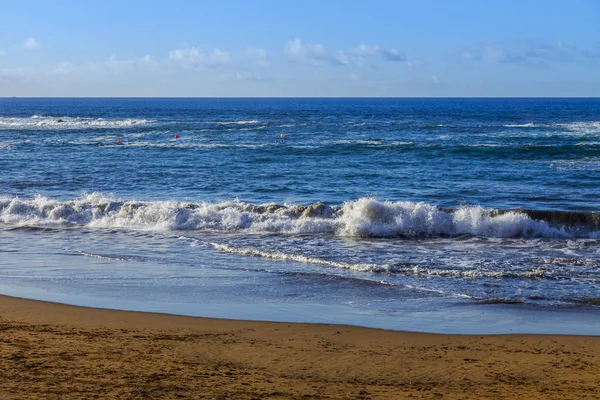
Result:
<point x="399" y="269"/>
<point x="365" y="217"/>
<point x="583" y="127"/>
<point x="45" y="122"/>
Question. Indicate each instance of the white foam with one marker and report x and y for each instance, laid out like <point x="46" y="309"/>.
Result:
<point x="173" y="143"/>
<point x="588" y="144"/>
<point x="368" y="217"/>
<point x="466" y="273"/>
<point x="104" y="256"/>
<point x="583" y="127"/>
<point x="365" y="217"/>
<point x="588" y="164"/>
<point x="299" y="258"/>
<point x="589" y="127"/>
<point x="357" y="141"/>
<point x="43" y="122"/>
<point x="529" y="125"/>
<point x="240" y="122"/>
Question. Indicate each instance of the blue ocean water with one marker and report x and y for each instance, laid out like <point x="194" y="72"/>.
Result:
<point x="463" y="215"/>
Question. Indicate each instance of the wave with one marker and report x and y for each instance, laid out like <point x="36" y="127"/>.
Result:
<point x="576" y="127"/>
<point x="528" y="125"/>
<point x="42" y="122"/>
<point x="357" y="141"/>
<point x="299" y="258"/>
<point x="365" y="217"/>
<point x="402" y="268"/>
<point x="240" y="122"/>
<point x="105" y="256"/>
<point x="584" y="127"/>
<point x="179" y="144"/>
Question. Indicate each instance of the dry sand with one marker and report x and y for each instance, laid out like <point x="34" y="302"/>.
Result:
<point x="56" y="351"/>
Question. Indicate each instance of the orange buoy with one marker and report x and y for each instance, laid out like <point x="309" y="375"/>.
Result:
<point x="176" y="136"/>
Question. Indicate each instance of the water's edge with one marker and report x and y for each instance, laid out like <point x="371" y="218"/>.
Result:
<point x="491" y="319"/>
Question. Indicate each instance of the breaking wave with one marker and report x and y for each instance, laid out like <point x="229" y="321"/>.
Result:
<point x="365" y="217"/>
<point x="240" y="122"/>
<point x="528" y="125"/>
<point x="575" y="127"/>
<point x="43" y="122"/>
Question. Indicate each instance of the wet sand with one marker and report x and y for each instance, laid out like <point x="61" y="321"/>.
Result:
<point x="50" y="350"/>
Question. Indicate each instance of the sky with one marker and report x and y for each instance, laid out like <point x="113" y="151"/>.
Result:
<point x="289" y="48"/>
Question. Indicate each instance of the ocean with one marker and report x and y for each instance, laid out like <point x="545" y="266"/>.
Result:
<point x="439" y="215"/>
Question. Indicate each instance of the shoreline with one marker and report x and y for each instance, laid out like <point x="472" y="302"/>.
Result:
<point x="459" y="319"/>
<point x="50" y="350"/>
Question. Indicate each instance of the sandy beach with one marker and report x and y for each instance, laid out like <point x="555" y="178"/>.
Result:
<point x="50" y="350"/>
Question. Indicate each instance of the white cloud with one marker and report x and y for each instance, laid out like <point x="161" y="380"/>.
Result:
<point x="32" y="75"/>
<point x="316" y="54"/>
<point x="359" y="55"/>
<point x="252" y="64"/>
<point x="244" y="76"/>
<point x="31" y="44"/>
<point x="529" y="53"/>
<point x="298" y="52"/>
<point x="260" y="56"/>
<point x="392" y="55"/>
<point x="65" y="68"/>
<point x="147" y="59"/>
<point x="190" y="57"/>
<point x="117" y="66"/>
<point x="70" y="71"/>
<point x="250" y="76"/>
<point x="14" y="73"/>
<point x="356" y="56"/>
<point x="193" y="57"/>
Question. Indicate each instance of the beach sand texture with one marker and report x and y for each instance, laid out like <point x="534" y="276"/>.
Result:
<point x="57" y="351"/>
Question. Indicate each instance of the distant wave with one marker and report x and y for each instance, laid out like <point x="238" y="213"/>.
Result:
<point x="577" y="127"/>
<point x="584" y="127"/>
<point x="240" y="122"/>
<point x="41" y="122"/>
<point x="365" y="217"/>
<point x="357" y="141"/>
<point x="528" y="125"/>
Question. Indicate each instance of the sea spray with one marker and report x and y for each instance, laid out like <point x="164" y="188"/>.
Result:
<point x="365" y="217"/>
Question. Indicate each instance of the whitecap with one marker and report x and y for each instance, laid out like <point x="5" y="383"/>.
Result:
<point x="365" y="217"/>
<point x="65" y="122"/>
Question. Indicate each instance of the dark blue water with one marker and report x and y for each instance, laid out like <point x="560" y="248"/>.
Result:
<point x="502" y="153"/>
<point x="378" y="206"/>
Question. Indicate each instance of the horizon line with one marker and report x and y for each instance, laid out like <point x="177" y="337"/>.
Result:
<point x="300" y="97"/>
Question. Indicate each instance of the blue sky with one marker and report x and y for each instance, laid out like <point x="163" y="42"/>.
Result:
<point x="300" y="48"/>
